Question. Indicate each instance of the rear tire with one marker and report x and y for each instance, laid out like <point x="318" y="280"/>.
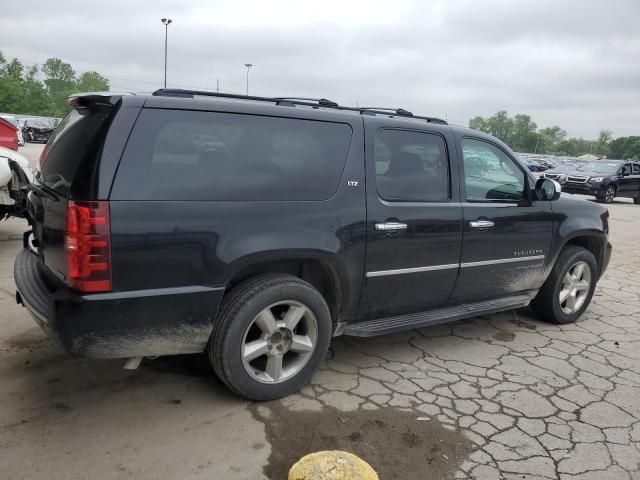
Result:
<point x="272" y="333"/>
<point x="636" y="200"/>
<point x="569" y="288"/>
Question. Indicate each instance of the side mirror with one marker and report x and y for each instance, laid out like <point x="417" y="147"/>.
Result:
<point x="547" y="189"/>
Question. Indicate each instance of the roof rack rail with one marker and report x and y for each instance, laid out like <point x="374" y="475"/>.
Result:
<point x="398" y="111"/>
<point x="293" y="101"/>
<point x="320" y="101"/>
<point x="179" y="92"/>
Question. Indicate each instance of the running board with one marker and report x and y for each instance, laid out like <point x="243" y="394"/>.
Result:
<point x="380" y="326"/>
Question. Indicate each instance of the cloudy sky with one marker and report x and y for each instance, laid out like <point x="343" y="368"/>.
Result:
<point x="573" y="63"/>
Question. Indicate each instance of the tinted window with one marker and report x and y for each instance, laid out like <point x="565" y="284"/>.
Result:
<point x="411" y="166"/>
<point x="636" y="168"/>
<point x="185" y="155"/>
<point x="490" y="174"/>
<point x="78" y="138"/>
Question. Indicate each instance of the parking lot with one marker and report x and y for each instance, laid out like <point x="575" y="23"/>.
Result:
<point x="498" y="397"/>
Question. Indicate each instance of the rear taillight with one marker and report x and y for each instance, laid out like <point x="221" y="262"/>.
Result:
<point x="88" y="246"/>
<point x="43" y="155"/>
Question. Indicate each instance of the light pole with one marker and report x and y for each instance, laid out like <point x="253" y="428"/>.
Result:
<point x="165" y="22"/>
<point x="248" y="65"/>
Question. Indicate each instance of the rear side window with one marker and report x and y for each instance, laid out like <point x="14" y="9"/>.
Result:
<point x="411" y="166"/>
<point x="187" y="155"/>
<point x="636" y="169"/>
<point x="77" y="139"/>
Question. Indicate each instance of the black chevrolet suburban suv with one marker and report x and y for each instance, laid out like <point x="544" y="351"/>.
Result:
<point x="255" y="229"/>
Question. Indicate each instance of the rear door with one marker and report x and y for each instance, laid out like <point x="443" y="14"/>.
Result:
<point x="414" y="218"/>
<point x="506" y="236"/>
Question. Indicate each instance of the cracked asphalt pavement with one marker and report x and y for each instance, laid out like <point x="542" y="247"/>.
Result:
<point x="525" y="399"/>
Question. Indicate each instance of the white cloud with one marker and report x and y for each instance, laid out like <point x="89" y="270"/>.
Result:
<point x="572" y="62"/>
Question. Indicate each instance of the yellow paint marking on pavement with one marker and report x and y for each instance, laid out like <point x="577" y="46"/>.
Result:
<point x="332" y="465"/>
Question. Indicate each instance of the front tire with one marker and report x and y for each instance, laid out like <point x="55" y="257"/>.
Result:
<point x="636" y="200"/>
<point x="568" y="290"/>
<point x="608" y="195"/>
<point x="272" y="333"/>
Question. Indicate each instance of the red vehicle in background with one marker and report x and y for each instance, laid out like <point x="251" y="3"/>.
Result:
<point x="8" y="134"/>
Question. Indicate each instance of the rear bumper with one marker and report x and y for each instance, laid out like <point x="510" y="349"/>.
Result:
<point x="118" y="324"/>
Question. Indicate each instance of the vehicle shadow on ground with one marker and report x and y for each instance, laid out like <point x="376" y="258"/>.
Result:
<point x="54" y="376"/>
<point x="49" y="378"/>
<point x="90" y="418"/>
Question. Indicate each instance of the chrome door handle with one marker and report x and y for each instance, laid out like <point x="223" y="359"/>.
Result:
<point x="391" y="226"/>
<point x="481" y="224"/>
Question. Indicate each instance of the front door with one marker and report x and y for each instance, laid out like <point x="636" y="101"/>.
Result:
<point x="626" y="181"/>
<point x="506" y="236"/>
<point x="414" y="219"/>
<point x="635" y="181"/>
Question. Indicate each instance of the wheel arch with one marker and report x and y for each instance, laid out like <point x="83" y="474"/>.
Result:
<point x="322" y="273"/>
<point x="592" y="241"/>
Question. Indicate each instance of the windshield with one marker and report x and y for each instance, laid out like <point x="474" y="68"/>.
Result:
<point x="600" y="167"/>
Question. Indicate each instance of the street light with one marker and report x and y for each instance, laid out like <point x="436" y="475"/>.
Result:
<point x="165" y="22"/>
<point x="248" y="65"/>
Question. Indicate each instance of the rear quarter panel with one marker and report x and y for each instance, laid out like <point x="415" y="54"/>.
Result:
<point x="160" y="244"/>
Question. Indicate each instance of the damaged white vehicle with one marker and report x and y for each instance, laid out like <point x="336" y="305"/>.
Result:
<point x="15" y="179"/>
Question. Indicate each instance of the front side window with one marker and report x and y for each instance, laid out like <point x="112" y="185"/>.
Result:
<point x="626" y="170"/>
<point x="411" y="166"/>
<point x="490" y="174"/>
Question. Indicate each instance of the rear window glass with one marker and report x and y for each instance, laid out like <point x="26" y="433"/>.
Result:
<point x="77" y="138"/>
<point x="187" y="155"/>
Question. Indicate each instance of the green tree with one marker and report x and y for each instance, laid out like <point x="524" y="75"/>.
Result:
<point x="13" y="70"/>
<point x="627" y="148"/>
<point x="550" y="138"/>
<point x="22" y="92"/>
<point x="524" y="137"/>
<point x="10" y="84"/>
<point x="10" y="95"/>
<point x="479" y="123"/>
<point x="601" y="145"/>
<point x="522" y="134"/>
<point x="92" y="82"/>
<point x="501" y="126"/>
<point x="60" y="81"/>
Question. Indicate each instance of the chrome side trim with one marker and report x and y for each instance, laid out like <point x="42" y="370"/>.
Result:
<point x="502" y="260"/>
<point x="400" y="271"/>
<point x="433" y="268"/>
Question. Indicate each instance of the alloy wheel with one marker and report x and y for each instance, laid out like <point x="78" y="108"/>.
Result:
<point x="610" y="194"/>
<point x="279" y="341"/>
<point x="575" y="288"/>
